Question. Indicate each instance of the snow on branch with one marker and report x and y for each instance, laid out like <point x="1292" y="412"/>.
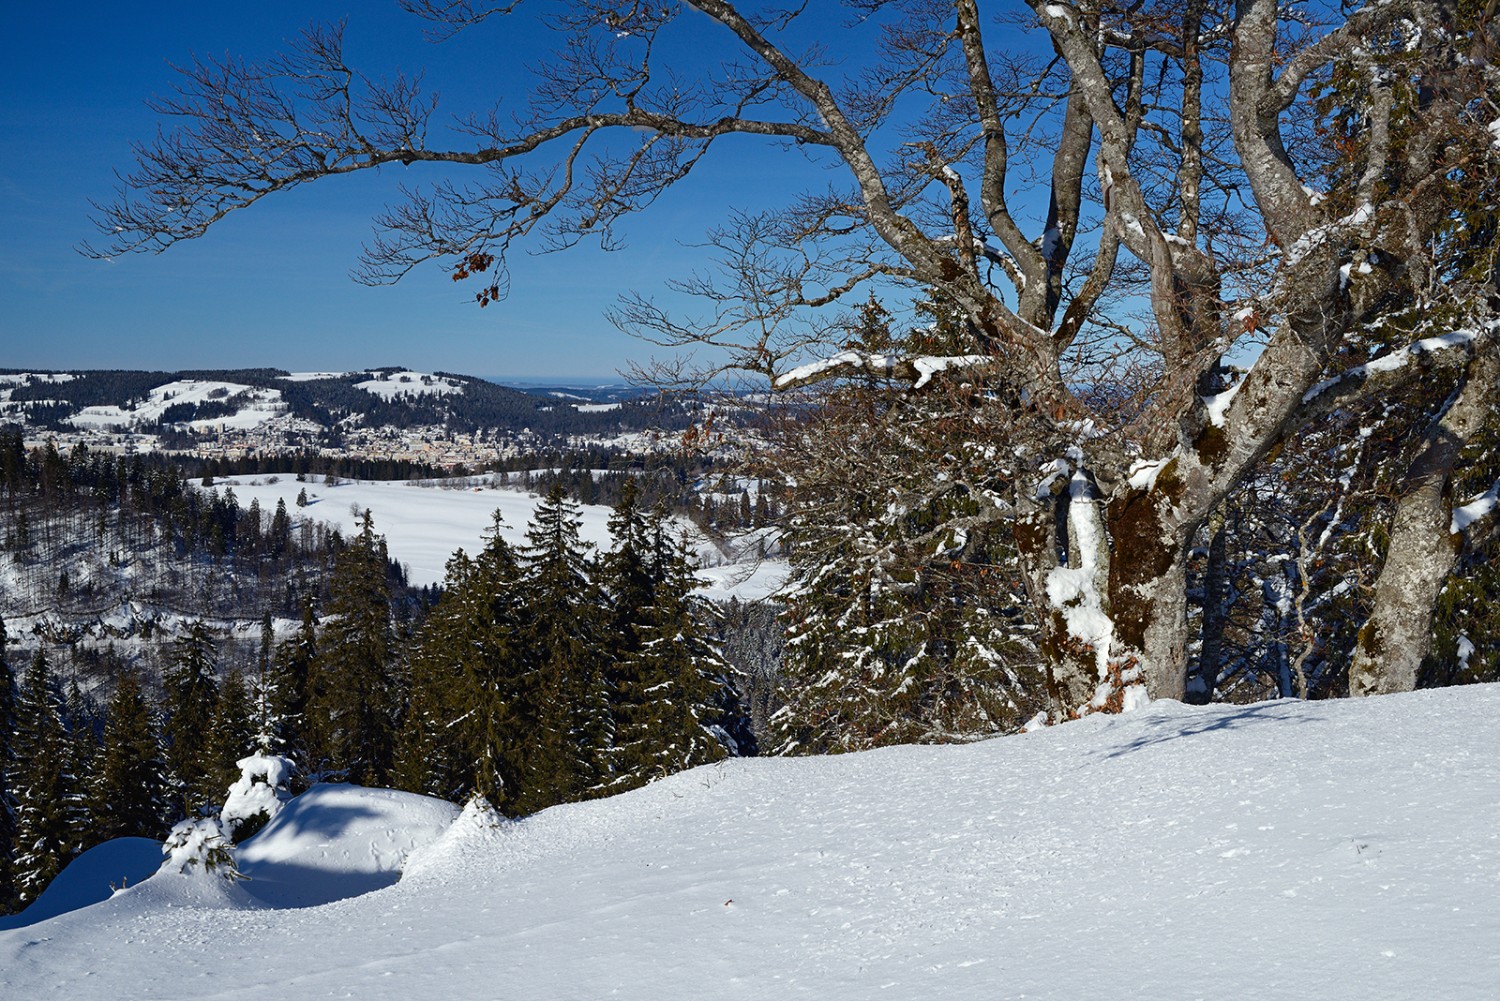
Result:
<point x="1388" y="368"/>
<point x="1476" y="510"/>
<point x="918" y="371"/>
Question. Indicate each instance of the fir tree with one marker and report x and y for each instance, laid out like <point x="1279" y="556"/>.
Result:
<point x="40" y="783"/>
<point x="464" y="732"/>
<point x="668" y="677"/>
<point x="192" y="690"/>
<point x="563" y="695"/>
<point x="82" y="758"/>
<point x="130" y="790"/>
<point x="352" y="703"/>
<point x="231" y="737"/>
<point x="290" y="680"/>
<point x="262" y="691"/>
<point x="883" y="597"/>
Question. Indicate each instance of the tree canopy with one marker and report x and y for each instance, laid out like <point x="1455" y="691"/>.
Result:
<point x="1177" y="234"/>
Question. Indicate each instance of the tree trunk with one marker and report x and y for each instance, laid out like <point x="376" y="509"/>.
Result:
<point x="1397" y="637"/>
<point x="1113" y="594"/>
<point x="1148" y="590"/>
<point x="1215" y="615"/>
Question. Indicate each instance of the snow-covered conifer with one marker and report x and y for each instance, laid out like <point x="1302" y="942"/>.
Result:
<point x="257" y="795"/>
<point x="197" y="847"/>
<point x="40" y="782"/>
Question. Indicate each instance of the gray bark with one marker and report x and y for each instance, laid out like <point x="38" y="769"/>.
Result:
<point x="1423" y="549"/>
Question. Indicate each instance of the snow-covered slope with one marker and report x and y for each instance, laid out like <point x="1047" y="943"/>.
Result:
<point x="259" y="406"/>
<point x="389" y="385"/>
<point x="1285" y="850"/>
<point x="92" y="877"/>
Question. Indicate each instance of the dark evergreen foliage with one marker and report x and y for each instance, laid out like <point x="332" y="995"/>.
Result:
<point x="231" y="736"/>
<point x="563" y="694"/>
<point x="44" y="835"/>
<point x="464" y="730"/>
<point x="353" y="698"/>
<point x="8" y="720"/>
<point x="192" y="692"/>
<point x="129" y="789"/>
<point x="544" y="677"/>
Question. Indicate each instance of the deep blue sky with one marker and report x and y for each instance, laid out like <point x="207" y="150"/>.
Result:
<point x="270" y="285"/>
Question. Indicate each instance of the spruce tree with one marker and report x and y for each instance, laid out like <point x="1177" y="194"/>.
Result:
<point x="130" y="790"/>
<point x="291" y="674"/>
<point x="231" y="737"/>
<point x="192" y="691"/>
<point x="262" y="691"/>
<point x="464" y="730"/>
<point x="430" y="759"/>
<point x="667" y="682"/>
<point x="79" y="721"/>
<point x="40" y="783"/>
<point x="897" y="628"/>
<point x="353" y="700"/>
<point x="563" y="695"/>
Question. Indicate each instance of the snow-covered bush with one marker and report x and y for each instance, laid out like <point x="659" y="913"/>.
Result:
<point x="258" y="794"/>
<point x="198" y="846"/>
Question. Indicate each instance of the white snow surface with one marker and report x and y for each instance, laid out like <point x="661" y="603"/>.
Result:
<point x="337" y="841"/>
<point x="390" y="385"/>
<point x="1478" y="509"/>
<point x="263" y="404"/>
<point x="1280" y="851"/>
<point x="1218" y="404"/>
<point x="424" y="524"/>
<point x="926" y="366"/>
<point x="1391" y="361"/>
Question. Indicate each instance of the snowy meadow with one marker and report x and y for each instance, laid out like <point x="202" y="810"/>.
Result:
<point x="1284" y="850"/>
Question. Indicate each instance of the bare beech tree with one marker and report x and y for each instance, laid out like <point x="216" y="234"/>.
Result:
<point x="1114" y="194"/>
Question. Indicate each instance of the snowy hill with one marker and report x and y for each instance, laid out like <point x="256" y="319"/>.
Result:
<point x="246" y="406"/>
<point x="1278" y="851"/>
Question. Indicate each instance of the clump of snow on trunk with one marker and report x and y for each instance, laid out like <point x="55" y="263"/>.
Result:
<point x="1074" y="591"/>
<point x="1078" y="593"/>
<point x="258" y="794"/>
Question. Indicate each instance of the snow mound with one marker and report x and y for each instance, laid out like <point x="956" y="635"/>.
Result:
<point x="337" y="841"/>
<point x="468" y="840"/>
<point x="92" y="877"/>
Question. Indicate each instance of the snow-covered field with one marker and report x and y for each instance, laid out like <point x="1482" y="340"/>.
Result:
<point x="261" y="405"/>
<point x="388" y="386"/>
<point x="424" y="525"/>
<point x="1329" y="850"/>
